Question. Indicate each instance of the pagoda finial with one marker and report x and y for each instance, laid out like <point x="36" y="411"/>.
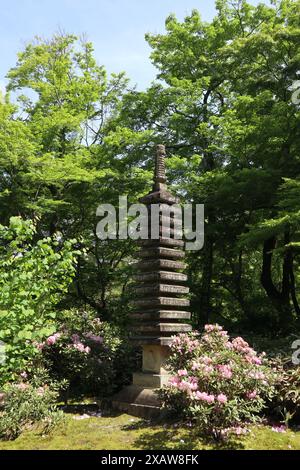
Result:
<point x="160" y="170"/>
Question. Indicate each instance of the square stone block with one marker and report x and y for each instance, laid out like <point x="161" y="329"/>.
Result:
<point x="154" y="358"/>
<point x="148" y="380"/>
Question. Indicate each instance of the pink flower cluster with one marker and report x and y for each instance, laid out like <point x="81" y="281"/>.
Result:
<point x="203" y="396"/>
<point x="24" y="386"/>
<point x="218" y="365"/>
<point x="185" y="343"/>
<point x="222" y="398"/>
<point x="52" y="339"/>
<point x="203" y="364"/>
<point x="206" y="370"/>
<point x="77" y="344"/>
<point x="241" y="346"/>
<point x="189" y="384"/>
<point x="225" y="371"/>
<point x="239" y="431"/>
<point x="213" y="328"/>
<point x="49" y="341"/>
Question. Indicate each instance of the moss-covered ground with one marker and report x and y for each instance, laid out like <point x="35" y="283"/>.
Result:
<point x="123" y="432"/>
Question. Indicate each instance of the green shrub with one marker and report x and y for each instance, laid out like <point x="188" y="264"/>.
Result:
<point x="218" y="382"/>
<point x="286" y="402"/>
<point x="91" y="356"/>
<point x="26" y="404"/>
<point x="33" y="276"/>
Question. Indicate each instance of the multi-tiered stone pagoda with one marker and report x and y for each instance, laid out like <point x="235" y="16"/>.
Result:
<point x="160" y="307"/>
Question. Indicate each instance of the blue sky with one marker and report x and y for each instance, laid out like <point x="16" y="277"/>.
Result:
<point x="116" y="28"/>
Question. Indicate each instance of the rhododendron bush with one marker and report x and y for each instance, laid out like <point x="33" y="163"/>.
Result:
<point x="29" y="403"/>
<point x="221" y="383"/>
<point x="88" y="356"/>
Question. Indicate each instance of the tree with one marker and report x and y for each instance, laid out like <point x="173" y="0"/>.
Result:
<point x="223" y="105"/>
<point x="66" y="104"/>
<point x="33" y="276"/>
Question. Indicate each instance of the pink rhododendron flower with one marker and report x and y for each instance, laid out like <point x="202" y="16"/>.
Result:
<point x="207" y="370"/>
<point x="174" y="381"/>
<point x="203" y="396"/>
<point x="184" y="386"/>
<point x="206" y="360"/>
<point x="52" y="339"/>
<point x="256" y="360"/>
<point x="207" y="338"/>
<point x="281" y="428"/>
<point x="225" y="371"/>
<point x="182" y="372"/>
<point x="196" y="365"/>
<point x="212" y="328"/>
<point x="221" y="398"/>
<point x="224" y="333"/>
<point x="251" y="395"/>
<point x="240" y="345"/>
<point x="24" y="375"/>
<point x="193" y="381"/>
<point x="82" y="348"/>
<point x="184" y="342"/>
<point x="253" y="359"/>
<point x="188" y="385"/>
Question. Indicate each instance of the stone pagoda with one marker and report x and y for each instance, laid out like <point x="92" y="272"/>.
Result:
<point x="160" y="306"/>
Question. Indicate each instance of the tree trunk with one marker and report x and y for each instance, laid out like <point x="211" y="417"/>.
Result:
<point x="293" y="291"/>
<point x="280" y="299"/>
<point x="207" y="272"/>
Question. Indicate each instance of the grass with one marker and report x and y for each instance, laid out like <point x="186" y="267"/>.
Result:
<point x="123" y="432"/>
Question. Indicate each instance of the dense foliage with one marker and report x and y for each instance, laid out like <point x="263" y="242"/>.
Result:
<point x="29" y="403"/>
<point x="86" y="356"/>
<point x="220" y="383"/>
<point x="33" y="277"/>
<point x="226" y="106"/>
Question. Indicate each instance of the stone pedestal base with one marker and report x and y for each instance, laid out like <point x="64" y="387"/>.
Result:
<point x="140" y="399"/>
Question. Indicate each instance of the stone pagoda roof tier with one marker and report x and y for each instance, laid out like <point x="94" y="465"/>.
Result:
<point x="160" y="304"/>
